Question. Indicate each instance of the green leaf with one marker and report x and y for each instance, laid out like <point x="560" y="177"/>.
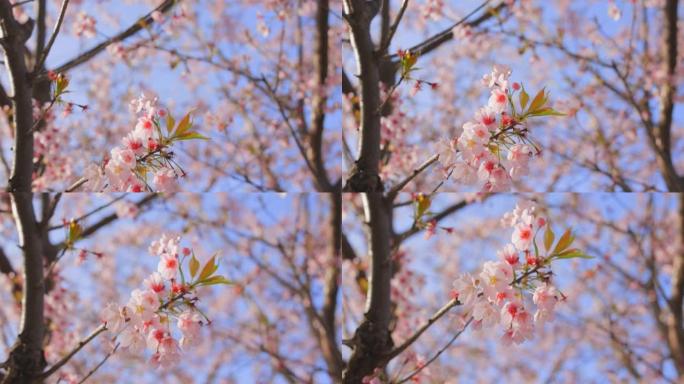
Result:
<point x="547" y="112"/>
<point x="170" y="123"/>
<point x="62" y="84"/>
<point x="549" y="236"/>
<point x="75" y="231"/>
<point x="214" y="280"/>
<point x="572" y="254"/>
<point x="209" y="268"/>
<point x="524" y="98"/>
<point x="194" y="265"/>
<point x="190" y="136"/>
<point x="565" y="241"/>
<point x="423" y="203"/>
<point x="183" y="126"/>
<point x="538" y="101"/>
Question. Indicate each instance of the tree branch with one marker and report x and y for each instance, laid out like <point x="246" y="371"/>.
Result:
<point x="436" y="217"/>
<point x="663" y="128"/>
<point x="5" y="264"/>
<point x="400" y="185"/>
<point x="433" y="319"/>
<point x="61" y="362"/>
<point x="364" y="175"/>
<point x="87" y="231"/>
<point x="675" y="324"/>
<point x="141" y="23"/>
<point x="41" y="28"/>
<point x="333" y="355"/>
<point x="42" y="55"/>
<point x="433" y="358"/>
<point x="387" y="40"/>
<point x="446" y="35"/>
<point x="372" y="340"/>
<point x="26" y="358"/>
<point x="13" y="40"/>
<point x="319" y="99"/>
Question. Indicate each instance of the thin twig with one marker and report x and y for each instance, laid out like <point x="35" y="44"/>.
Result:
<point x="58" y="25"/>
<point x="77" y="184"/>
<point x="394" y="26"/>
<point x="433" y="358"/>
<point x="94" y="211"/>
<point x="407" y="343"/>
<point x="397" y="188"/>
<point x="92" y="371"/>
<point x="59" y="364"/>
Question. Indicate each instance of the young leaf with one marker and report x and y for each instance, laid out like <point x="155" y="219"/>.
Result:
<point x="75" y="231"/>
<point x="547" y="112"/>
<point x="216" y="280"/>
<point x="209" y="268"/>
<point x="572" y="254"/>
<point x="538" y="101"/>
<point x="524" y="98"/>
<point x="170" y="123"/>
<point x="422" y="205"/>
<point x="183" y="126"/>
<point x="549" y="236"/>
<point x="194" y="265"/>
<point x="190" y="136"/>
<point x="565" y="241"/>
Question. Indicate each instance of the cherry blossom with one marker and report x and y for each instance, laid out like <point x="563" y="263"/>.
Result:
<point x="496" y="145"/>
<point x="168" y="294"/>
<point x="504" y="289"/>
<point x="84" y="26"/>
<point x="144" y="151"/>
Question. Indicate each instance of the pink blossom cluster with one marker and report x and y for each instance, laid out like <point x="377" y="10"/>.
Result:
<point x="84" y="26"/>
<point x="146" y="320"/>
<point x="433" y="9"/>
<point x="140" y="153"/>
<point x="499" y="294"/>
<point x="493" y="148"/>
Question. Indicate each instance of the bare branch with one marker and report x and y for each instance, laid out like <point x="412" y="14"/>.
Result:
<point x="446" y="35"/>
<point x="433" y="319"/>
<point x="433" y="358"/>
<point x="141" y="23"/>
<point x="393" y="28"/>
<point x="42" y="55"/>
<point x="61" y="362"/>
<point x="399" y="186"/>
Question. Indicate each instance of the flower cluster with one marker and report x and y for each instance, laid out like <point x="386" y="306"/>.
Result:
<point x="495" y="147"/>
<point x="145" y="153"/>
<point x="168" y="295"/>
<point x="500" y="293"/>
<point x="85" y="25"/>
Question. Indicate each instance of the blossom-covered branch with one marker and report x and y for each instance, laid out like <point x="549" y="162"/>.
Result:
<point x="495" y="148"/>
<point x="145" y="151"/>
